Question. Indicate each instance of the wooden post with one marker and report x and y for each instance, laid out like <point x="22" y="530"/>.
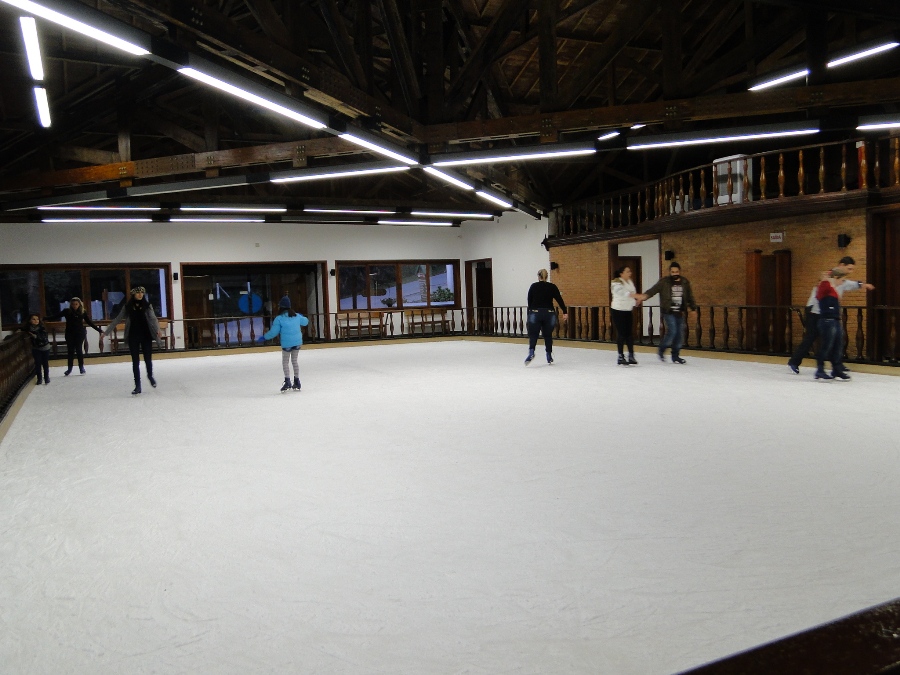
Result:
<point x="822" y="169"/>
<point x="702" y="188"/>
<point x="746" y="192"/>
<point x="801" y="176"/>
<point x="843" y="167"/>
<point x="762" y="178"/>
<point x="781" y="174"/>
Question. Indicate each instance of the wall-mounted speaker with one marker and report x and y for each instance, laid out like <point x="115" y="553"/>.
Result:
<point x="844" y="240"/>
<point x="670" y="255"/>
<point x="554" y="265"/>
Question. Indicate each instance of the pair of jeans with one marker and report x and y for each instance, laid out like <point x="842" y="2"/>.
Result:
<point x="41" y="363"/>
<point x="811" y="324"/>
<point x="831" y="343"/>
<point x="136" y="347"/>
<point x="541" y="321"/>
<point x="674" y="336"/>
<point x="623" y="321"/>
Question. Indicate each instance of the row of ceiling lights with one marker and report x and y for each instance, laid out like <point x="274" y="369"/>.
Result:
<point x="139" y="44"/>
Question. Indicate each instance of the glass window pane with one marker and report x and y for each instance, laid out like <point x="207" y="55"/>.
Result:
<point x="442" y="285"/>
<point x="154" y="280"/>
<point x="60" y="286"/>
<point x="108" y="293"/>
<point x="382" y="286"/>
<point x="20" y="295"/>
<point x="352" y="287"/>
<point x="415" y="285"/>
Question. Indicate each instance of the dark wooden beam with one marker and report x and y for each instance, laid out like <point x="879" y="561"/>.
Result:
<point x="671" y="29"/>
<point x="726" y="106"/>
<point x="86" y="155"/>
<point x="888" y="10"/>
<point x="587" y="75"/>
<point x="574" y="9"/>
<point x="269" y="20"/>
<point x="483" y="55"/>
<point x="176" y="132"/>
<point x="548" y="11"/>
<point x="124" y="123"/>
<point x="362" y="30"/>
<point x="331" y="14"/>
<point x="403" y="63"/>
<point x="322" y="83"/>
<point x="434" y="60"/>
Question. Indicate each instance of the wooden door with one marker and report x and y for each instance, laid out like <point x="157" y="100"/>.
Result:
<point x="883" y="261"/>
<point x="768" y="299"/>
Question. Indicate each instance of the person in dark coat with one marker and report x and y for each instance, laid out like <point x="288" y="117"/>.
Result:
<point x="40" y="346"/>
<point x="675" y="295"/>
<point x="141" y="331"/>
<point x="76" y="333"/>
<point x="541" y="315"/>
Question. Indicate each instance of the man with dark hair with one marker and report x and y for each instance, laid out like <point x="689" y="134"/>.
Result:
<point x="812" y="315"/>
<point x="675" y="295"/>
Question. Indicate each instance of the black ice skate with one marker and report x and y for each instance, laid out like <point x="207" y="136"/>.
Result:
<point x="549" y="357"/>
<point x="136" y="390"/>
<point x="528" y="359"/>
<point x="286" y="386"/>
<point x="631" y="360"/>
<point x="152" y="381"/>
<point x="296" y="385"/>
<point x="622" y="361"/>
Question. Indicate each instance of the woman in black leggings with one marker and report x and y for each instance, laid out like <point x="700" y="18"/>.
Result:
<point x="141" y="331"/>
<point x="622" y="310"/>
<point x="541" y="315"/>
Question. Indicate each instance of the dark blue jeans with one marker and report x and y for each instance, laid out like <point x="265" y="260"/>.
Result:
<point x="541" y="321"/>
<point x="810" y="334"/>
<point x="831" y="343"/>
<point x="41" y="363"/>
<point x="674" y="336"/>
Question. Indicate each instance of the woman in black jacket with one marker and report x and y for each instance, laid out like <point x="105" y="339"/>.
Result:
<point x="541" y="315"/>
<point x="76" y="333"/>
<point x="141" y="331"/>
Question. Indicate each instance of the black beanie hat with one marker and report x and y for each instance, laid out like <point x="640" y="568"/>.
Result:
<point x="284" y="303"/>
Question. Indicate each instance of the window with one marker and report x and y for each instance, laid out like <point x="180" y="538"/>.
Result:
<point x="154" y="280"/>
<point x="108" y="293"/>
<point x="20" y="295"/>
<point x="60" y="286"/>
<point x="397" y="285"/>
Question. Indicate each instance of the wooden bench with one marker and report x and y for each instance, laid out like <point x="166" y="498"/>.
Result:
<point x="359" y="323"/>
<point x="424" y="321"/>
<point x="117" y="339"/>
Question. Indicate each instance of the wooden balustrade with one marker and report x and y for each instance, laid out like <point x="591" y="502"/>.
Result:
<point x="16" y="367"/>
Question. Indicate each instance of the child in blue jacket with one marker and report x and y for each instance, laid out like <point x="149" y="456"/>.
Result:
<point x="288" y="325"/>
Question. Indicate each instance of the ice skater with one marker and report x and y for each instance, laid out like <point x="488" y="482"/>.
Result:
<point x="40" y="347"/>
<point x="541" y="315"/>
<point x="831" y="342"/>
<point x="141" y="331"/>
<point x="811" y="314"/>
<point x="621" y="308"/>
<point x="675" y="295"/>
<point x="288" y="324"/>
<point x="76" y="333"/>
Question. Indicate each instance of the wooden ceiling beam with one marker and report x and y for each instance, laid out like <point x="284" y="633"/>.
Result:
<point x="331" y="14"/>
<point x="322" y="83"/>
<point x="725" y="106"/>
<point x="86" y="155"/>
<point x="407" y="77"/>
<point x="269" y="20"/>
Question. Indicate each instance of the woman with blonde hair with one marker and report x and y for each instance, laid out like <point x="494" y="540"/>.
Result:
<point x="542" y="315"/>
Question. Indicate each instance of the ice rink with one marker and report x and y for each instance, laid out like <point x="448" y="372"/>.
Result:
<point x="438" y="507"/>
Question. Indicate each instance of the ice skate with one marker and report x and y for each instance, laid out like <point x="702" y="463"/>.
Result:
<point x="286" y="386"/>
<point x="822" y="375"/>
<point x="631" y="360"/>
<point x="528" y="359"/>
<point x="679" y="360"/>
<point x="152" y="381"/>
<point x="136" y="390"/>
<point x="296" y="385"/>
<point x="842" y="375"/>
<point x="81" y="370"/>
<point x="622" y="361"/>
<point x="549" y="357"/>
<point x="68" y="372"/>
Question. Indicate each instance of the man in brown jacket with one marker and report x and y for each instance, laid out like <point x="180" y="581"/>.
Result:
<point x="675" y="295"/>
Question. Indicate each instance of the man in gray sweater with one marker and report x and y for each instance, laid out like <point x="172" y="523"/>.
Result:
<point x="675" y="295"/>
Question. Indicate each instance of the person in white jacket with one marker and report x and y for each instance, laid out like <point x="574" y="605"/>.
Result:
<point x="622" y="310"/>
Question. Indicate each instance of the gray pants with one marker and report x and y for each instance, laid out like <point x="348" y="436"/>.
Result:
<point x="291" y="354"/>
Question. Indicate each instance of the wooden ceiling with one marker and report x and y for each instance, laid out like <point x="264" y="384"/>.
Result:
<point x="434" y="76"/>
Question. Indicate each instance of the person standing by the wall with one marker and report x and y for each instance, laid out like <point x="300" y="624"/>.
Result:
<point x="830" y="331"/>
<point x="40" y="347"/>
<point x="621" y="308"/>
<point x="288" y="324"/>
<point x="76" y="333"/>
<point x="541" y="315"/>
<point x="675" y="295"/>
<point x="811" y="314"/>
<point x="141" y="331"/>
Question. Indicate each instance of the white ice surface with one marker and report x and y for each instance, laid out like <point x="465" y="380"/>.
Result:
<point x="439" y="508"/>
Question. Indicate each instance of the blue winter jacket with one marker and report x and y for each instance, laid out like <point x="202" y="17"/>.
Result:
<point x="289" y="329"/>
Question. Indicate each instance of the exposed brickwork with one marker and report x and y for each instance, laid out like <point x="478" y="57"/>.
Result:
<point x="583" y="274"/>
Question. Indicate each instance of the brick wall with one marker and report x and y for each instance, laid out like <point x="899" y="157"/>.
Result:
<point x="583" y="274"/>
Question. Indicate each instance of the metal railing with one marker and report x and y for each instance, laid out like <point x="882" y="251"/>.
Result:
<point x="841" y="167"/>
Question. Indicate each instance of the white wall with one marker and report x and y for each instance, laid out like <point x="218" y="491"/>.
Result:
<point x="513" y="244"/>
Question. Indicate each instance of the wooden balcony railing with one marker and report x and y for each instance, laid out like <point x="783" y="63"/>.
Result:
<point x="16" y="366"/>
<point x="840" y="167"/>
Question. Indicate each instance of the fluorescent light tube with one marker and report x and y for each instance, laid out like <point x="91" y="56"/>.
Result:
<point x="77" y="26"/>
<point x="222" y="85"/>
<point x="796" y="75"/>
<point x="374" y="147"/>
<point x="216" y="220"/>
<point x="337" y="174"/>
<point x="877" y="122"/>
<point x="863" y="54"/>
<point x="416" y="222"/>
<point x="360" y="211"/>
<point x="96" y="220"/>
<point x="638" y="126"/>
<point x="515" y="157"/>
<point x="32" y="47"/>
<point x="439" y="214"/>
<point x="43" y="106"/>
<point x="448" y="178"/>
<point x="235" y="209"/>
<point x="492" y="198"/>
<point x="611" y="134"/>
<point x="722" y="136"/>
<point x="98" y="208"/>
